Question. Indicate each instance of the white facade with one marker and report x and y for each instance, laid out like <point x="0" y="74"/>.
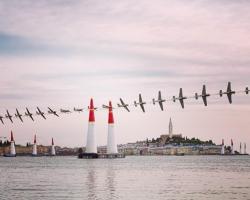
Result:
<point x="91" y="146"/>
<point x="170" y="129"/>
<point x="222" y="149"/>
<point x="111" y="143"/>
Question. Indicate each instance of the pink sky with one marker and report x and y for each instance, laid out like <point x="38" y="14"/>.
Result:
<point x="62" y="53"/>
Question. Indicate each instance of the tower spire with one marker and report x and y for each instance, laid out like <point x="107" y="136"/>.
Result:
<point x="170" y="128"/>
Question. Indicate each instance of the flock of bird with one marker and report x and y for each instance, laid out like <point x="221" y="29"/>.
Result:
<point x="181" y="98"/>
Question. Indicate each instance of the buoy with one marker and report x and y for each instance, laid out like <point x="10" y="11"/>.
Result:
<point x="12" y="145"/>
<point x="53" y="151"/>
<point x="34" y="152"/>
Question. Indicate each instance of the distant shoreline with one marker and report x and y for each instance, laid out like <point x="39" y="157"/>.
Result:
<point x="128" y="150"/>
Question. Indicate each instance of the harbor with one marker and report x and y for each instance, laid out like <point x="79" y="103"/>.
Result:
<point x="169" y="144"/>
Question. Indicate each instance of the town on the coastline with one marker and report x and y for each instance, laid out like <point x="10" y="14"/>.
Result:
<point x="166" y="144"/>
<point x="176" y="144"/>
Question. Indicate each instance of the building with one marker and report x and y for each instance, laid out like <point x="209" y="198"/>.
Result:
<point x="166" y="138"/>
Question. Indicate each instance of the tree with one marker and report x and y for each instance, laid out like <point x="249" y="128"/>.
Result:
<point x="80" y="150"/>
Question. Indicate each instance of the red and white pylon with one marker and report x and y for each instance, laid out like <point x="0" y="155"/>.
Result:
<point x="53" y="151"/>
<point x="91" y="146"/>
<point x="111" y="142"/>
<point x="12" y="145"/>
<point x="34" y="151"/>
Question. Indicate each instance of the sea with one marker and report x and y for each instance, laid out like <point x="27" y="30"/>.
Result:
<point x="130" y="178"/>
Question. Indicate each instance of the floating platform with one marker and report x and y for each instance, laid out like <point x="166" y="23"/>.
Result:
<point x="88" y="155"/>
<point x="100" y="156"/>
<point x="180" y="154"/>
<point x="113" y="155"/>
<point x="9" y="155"/>
<point x="38" y="155"/>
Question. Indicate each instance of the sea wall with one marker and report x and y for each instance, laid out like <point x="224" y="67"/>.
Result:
<point x="173" y="150"/>
<point x="166" y="150"/>
<point x="25" y="150"/>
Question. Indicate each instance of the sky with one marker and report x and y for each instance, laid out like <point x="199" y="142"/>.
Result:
<point x="61" y="53"/>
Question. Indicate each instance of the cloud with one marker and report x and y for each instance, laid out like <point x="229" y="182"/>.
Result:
<point x="14" y="45"/>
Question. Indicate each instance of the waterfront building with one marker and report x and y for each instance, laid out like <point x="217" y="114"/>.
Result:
<point x="168" y="137"/>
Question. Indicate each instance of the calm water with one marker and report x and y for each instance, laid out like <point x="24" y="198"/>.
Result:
<point x="132" y="178"/>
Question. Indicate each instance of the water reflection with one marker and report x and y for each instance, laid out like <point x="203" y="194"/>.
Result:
<point x="110" y="181"/>
<point x="91" y="183"/>
<point x="136" y="178"/>
<point x="101" y="181"/>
